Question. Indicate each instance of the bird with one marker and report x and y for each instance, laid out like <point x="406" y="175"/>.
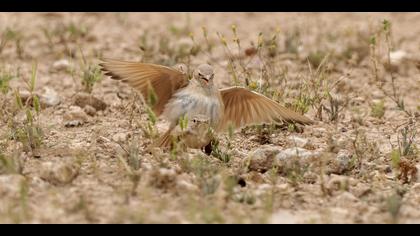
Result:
<point x="196" y="134"/>
<point x="178" y="96"/>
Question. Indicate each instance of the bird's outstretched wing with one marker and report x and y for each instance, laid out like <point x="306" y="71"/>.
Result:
<point x="245" y="107"/>
<point x="144" y="77"/>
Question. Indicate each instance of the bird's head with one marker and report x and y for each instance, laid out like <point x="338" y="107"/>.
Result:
<point x="200" y="124"/>
<point x="204" y="74"/>
<point x="200" y="119"/>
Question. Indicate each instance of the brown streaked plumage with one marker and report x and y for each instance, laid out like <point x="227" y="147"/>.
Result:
<point x="178" y="96"/>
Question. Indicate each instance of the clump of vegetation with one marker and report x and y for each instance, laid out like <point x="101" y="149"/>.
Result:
<point x="11" y="35"/>
<point x="394" y="203"/>
<point x="364" y="150"/>
<point x="170" y="52"/>
<point x="150" y="130"/>
<point x="378" y="109"/>
<point x="11" y="164"/>
<point x="132" y="163"/>
<point x="91" y="74"/>
<point x="206" y="172"/>
<point x="218" y="152"/>
<point x="402" y="155"/>
<point x="293" y="41"/>
<point x="405" y="153"/>
<point x="29" y="133"/>
<point x="5" y="78"/>
<point x="316" y="58"/>
<point x="394" y="94"/>
<point x="65" y="34"/>
<point x="316" y="92"/>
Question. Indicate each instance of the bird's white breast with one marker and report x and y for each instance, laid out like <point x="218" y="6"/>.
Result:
<point x="191" y="101"/>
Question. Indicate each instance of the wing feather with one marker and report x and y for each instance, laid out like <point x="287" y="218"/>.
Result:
<point x="164" y="81"/>
<point x="245" y="107"/>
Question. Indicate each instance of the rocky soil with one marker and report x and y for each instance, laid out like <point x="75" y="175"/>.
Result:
<point x="73" y="142"/>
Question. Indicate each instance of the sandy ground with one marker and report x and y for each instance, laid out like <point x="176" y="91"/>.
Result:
<point x="99" y="172"/>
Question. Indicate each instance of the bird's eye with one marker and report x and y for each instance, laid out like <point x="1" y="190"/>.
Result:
<point x="200" y="74"/>
<point x="194" y="120"/>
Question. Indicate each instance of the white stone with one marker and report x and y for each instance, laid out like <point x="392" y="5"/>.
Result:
<point x="62" y="64"/>
<point x="49" y="97"/>
<point x="120" y="137"/>
<point x="398" y="56"/>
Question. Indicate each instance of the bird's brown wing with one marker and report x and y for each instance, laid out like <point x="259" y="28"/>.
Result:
<point x="144" y="77"/>
<point x="244" y="107"/>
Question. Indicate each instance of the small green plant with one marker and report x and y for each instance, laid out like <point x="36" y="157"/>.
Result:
<point x="146" y="47"/>
<point x="65" y="35"/>
<point x="11" y="164"/>
<point x="49" y="35"/>
<point x="218" y="152"/>
<point x="91" y="74"/>
<point x="76" y="31"/>
<point x="395" y="158"/>
<point x="183" y="122"/>
<point x="292" y="127"/>
<point x="316" y="58"/>
<point x="29" y="133"/>
<point x="5" y="78"/>
<point x="334" y="107"/>
<point x="182" y="30"/>
<point x="150" y="130"/>
<point x="209" y="44"/>
<point x="151" y="125"/>
<point x="394" y="202"/>
<point x="23" y="194"/>
<point x="295" y="171"/>
<point x="293" y="41"/>
<point x="317" y="90"/>
<point x="364" y="149"/>
<point x="161" y="49"/>
<point x="378" y="109"/>
<point x="132" y="163"/>
<point x="177" y="145"/>
<point x="206" y="173"/>
<point x="270" y="196"/>
<point x="12" y="35"/>
<point x="302" y="103"/>
<point x="394" y="94"/>
<point x="406" y="139"/>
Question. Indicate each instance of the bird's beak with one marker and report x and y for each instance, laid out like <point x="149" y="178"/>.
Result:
<point x="206" y="79"/>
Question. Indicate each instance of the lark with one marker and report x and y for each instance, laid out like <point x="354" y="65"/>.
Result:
<point x="196" y="134"/>
<point x="178" y="96"/>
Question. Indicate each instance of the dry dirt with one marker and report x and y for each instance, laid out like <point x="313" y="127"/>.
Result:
<point x="92" y="167"/>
